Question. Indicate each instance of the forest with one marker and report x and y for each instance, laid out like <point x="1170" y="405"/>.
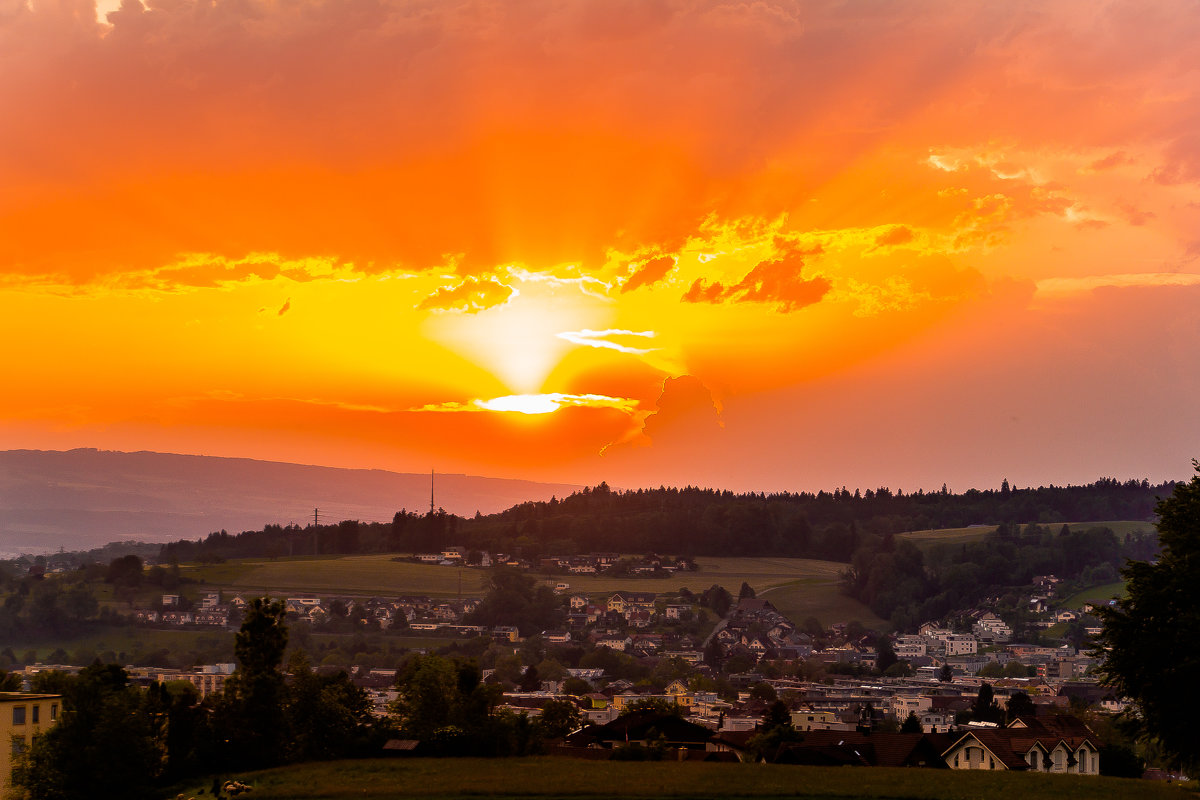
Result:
<point x="692" y="522"/>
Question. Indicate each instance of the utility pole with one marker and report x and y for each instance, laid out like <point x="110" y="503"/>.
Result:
<point x="431" y="506"/>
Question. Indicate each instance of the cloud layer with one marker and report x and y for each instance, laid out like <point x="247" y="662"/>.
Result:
<point x="598" y="207"/>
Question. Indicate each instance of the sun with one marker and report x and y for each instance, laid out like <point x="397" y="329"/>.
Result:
<point x="523" y="403"/>
<point x="518" y="341"/>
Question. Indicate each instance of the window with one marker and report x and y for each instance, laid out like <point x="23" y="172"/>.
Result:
<point x="18" y="715"/>
<point x="18" y="745"/>
<point x="37" y="710"/>
<point x="53" y="711"/>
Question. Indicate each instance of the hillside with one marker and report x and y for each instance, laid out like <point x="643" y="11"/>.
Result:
<point x="81" y="499"/>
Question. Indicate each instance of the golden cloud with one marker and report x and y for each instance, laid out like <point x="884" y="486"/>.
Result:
<point x="470" y="296"/>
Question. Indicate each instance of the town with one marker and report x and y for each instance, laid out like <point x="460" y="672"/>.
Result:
<point x="697" y="676"/>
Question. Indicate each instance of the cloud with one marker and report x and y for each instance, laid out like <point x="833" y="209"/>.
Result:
<point x="1117" y="159"/>
<point x="391" y="132"/>
<point x="777" y="281"/>
<point x="648" y="273"/>
<point x="533" y="404"/>
<point x="1181" y="162"/>
<point x="287" y="304"/>
<point x="1051" y="287"/>
<point x="602" y="339"/>
<point x="894" y="236"/>
<point x="192" y="271"/>
<point x="470" y="296"/>
<point x="686" y="413"/>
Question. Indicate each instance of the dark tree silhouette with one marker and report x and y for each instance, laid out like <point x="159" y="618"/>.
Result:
<point x="1151" y="638"/>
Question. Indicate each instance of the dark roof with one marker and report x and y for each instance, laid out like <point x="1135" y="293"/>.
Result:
<point x="1010" y="749"/>
<point x="751" y="605"/>
<point x="401" y="744"/>
<point x="1050" y="728"/>
<point x="636" y="597"/>
<point x="735" y="739"/>
<point x="637" y="724"/>
<point x="880" y="749"/>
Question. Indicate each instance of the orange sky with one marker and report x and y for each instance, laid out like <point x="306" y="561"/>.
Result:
<point x="758" y="246"/>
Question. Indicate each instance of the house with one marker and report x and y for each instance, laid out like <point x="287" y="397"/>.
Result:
<point x="506" y="633"/>
<point x="676" y="611"/>
<point x="812" y="720"/>
<point x="991" y="628"/>
<point x="960" y="644"/>
<point x="624" y="602"/>
<point x="615" y="642"/>
<point x="1060" y="743"/>
<point x="22" y="716"/>
<point x="907" y="648"/>
<point x="643" y="728"/>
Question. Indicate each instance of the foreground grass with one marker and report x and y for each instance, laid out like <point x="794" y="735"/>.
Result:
<point x="547" y="778"/>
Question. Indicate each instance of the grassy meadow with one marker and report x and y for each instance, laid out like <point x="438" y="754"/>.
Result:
<point x="799" y="587"/>
<point x="547" y="778"/>
<point x="974" y="533"/>
<point x="1095" y="594"/>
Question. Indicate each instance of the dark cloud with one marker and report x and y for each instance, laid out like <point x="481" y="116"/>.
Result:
<point x="896" y="235"/>
<point x="777" y="281"/>
<point x="686" y="413"/>
<point x="1182" y="164"/>
<point x="649" y="273"/>
<point x="1136" y="216"/>
<point x="1109" y="161"/>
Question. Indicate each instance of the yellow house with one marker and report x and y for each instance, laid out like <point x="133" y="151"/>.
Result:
<point x="678" y="690"/>
<point x="21" y="717"/>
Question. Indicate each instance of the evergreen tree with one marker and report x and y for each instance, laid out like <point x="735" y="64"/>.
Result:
<point x="254" y="713"/>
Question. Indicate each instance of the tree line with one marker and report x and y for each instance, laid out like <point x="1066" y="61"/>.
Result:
<point x="692" y="521"/>
<point x="901" y="583"/>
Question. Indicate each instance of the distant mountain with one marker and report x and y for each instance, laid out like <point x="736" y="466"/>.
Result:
<point x="80" y="499"/>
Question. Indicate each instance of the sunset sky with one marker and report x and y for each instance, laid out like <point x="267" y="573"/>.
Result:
<point x="755" y="245"/>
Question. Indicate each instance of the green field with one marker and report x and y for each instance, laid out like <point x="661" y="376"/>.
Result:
<point x="547" y="778"/>
<point x="1095" y="594"/>
<point x="929" y="538"/>
<point x="798" y="587"/>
